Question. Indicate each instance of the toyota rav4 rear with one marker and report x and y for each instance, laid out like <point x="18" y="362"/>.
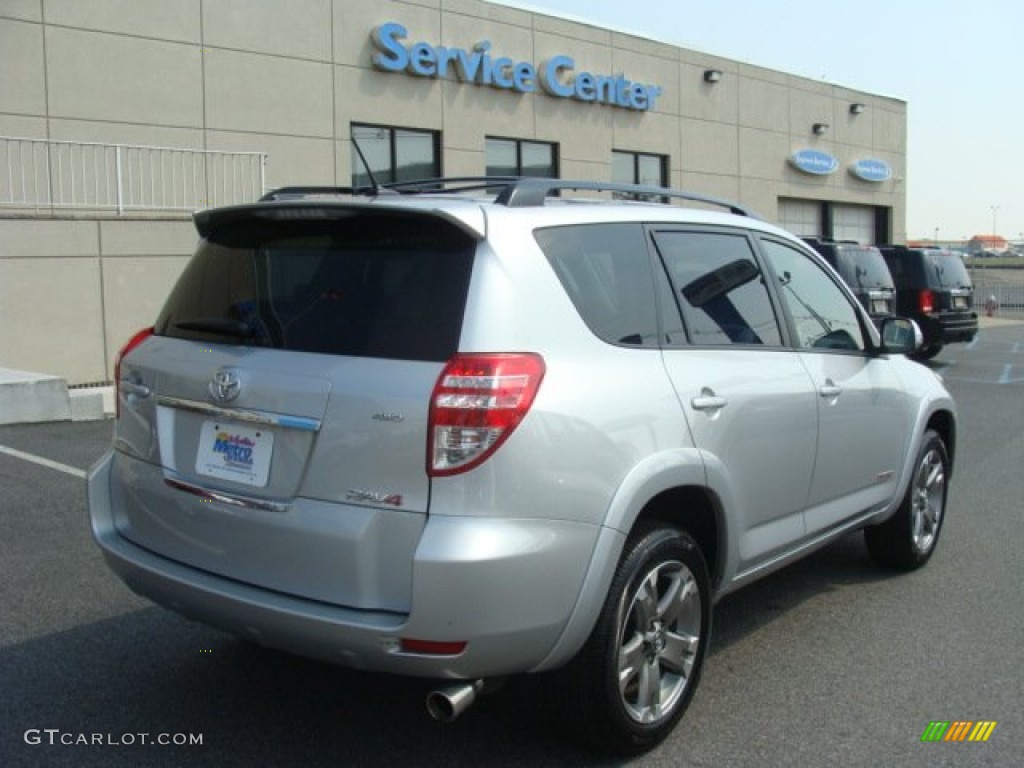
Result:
<point x="458" y="437"/>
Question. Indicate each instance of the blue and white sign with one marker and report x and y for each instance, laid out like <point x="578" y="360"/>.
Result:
<point x="814" y="161"/>
<point x="871" y="169"/>
<point x="557" y="76"/>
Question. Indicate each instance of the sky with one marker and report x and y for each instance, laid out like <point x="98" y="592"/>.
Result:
<point x="958" y="65"/>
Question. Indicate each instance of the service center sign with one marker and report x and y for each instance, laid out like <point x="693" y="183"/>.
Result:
<point x="871" y="169"/>
<point x="814" y="162"/>
<point x="479" y="66"/>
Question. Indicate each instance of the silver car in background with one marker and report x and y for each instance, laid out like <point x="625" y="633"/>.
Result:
<point x="462" y="436"/>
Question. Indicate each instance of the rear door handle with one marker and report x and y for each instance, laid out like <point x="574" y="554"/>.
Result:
<point x="829" y="389"/>
<point x="707" y="400"/>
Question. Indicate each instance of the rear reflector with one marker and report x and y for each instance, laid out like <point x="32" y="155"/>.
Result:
<point x="431" y="647"/>
<point x="477" y="402"/>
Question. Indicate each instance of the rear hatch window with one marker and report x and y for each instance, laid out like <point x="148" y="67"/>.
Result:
<point x="864" y="269"/>
<point x="948" y="270"/>
<point x="366" y="285"/>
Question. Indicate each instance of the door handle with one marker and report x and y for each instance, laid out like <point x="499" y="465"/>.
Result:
<point x="707" y="400"/>
<point x="829" y="389"/>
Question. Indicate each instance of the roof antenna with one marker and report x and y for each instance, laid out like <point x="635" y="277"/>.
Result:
<point x="375" y="188"/>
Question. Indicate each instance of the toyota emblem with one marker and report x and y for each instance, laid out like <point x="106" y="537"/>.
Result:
<point x="225" y="386"/>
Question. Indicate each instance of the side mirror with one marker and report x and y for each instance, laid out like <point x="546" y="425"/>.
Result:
<point x="901" y="335"/>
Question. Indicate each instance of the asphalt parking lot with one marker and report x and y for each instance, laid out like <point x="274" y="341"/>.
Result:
<point x="828" y="662"/>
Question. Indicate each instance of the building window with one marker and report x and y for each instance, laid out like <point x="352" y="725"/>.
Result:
<point x="394" y="154"/>
<point x="515" y="157"/>
<point x="639" y="168"/>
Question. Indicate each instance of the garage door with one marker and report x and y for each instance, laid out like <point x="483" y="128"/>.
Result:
<point x="853" y="222"/>
<point x="801" y="217"/>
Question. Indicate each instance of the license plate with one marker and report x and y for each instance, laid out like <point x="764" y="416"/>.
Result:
<point x="959" y="302"/>
<point x="879" y="306"/>
<point x="230" y="452"/>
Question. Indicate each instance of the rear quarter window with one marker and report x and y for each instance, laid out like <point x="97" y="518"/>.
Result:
<point x="606" y="271"/>
<point x="367" y="285"/>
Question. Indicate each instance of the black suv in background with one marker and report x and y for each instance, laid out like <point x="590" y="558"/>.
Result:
<point x="935" y="290"/>
<point x="864" y="270"/>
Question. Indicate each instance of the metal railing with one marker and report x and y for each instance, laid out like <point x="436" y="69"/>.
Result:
<point x="1005" y="286"/>
<point x="41" y="176"/>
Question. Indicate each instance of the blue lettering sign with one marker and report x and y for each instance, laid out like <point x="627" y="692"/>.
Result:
<point x="871" y="169"/>
<point x="558" y="76"/>
<point x="814" y="161"/>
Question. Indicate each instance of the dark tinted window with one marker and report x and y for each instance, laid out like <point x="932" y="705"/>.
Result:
<point x="822" y="315"/>
<point x="719" y="287"/>
<point x="863" y="268"/>
<point x="948" y="269"/>
<point x="367" y="285"/>
<point x="606" y="270"/>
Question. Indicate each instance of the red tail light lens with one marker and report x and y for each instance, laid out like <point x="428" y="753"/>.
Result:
<point x="431" y="647"/>
<point x="926" y="301"/>
<point x="133" y="342"/>
<point x="476" y="404"/>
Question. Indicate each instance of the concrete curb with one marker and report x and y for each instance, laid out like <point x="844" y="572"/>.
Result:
<point x="27" y="398"/>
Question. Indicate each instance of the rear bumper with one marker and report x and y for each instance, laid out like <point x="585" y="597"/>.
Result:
<point x="505" y="587"/>
<point x="947" y="329"/>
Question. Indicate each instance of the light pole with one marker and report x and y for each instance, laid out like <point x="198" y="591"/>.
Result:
<point x="994" y="208"/>
<point x="936" y="238"/>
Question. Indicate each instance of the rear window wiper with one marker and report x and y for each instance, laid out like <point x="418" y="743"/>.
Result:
<point x="220" y="326"/>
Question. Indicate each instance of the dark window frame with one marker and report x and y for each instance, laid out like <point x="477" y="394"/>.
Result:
<point x="663" y="163"/>
<point x="663" y="169"/>
<point x="555" y="155"/>
<point x="435" y="149"/>
<point x="781" y="319"/>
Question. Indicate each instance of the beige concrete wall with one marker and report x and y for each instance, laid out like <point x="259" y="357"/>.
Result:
<point x="290" y="77"/>
<point x="73" y="291"/>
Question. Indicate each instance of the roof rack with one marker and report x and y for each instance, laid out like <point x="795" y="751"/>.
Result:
<point x="514" y="191"/>
<point x="533" y="191"/>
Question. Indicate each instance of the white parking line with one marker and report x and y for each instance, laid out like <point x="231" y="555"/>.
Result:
<point x="73" y="471"/>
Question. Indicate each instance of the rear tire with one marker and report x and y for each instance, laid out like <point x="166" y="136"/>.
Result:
<point x="907" y="539"/>
<point x="927" y="353"/>
<point x="636" y="674"/>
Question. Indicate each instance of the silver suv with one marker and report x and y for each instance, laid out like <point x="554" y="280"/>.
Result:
<point x="428" y="431"/>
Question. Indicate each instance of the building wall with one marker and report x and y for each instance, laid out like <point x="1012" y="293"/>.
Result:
<point x="288" y="77"/>
<point x="73" y="291"/>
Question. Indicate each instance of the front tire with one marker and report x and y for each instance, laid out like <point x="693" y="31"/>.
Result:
<point x="907" y="540"/>
<point x="636" y="674"/>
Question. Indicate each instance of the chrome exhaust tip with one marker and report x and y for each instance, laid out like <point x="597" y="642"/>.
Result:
<point x="446" y="704"/>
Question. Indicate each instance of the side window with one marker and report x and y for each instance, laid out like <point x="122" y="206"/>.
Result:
<point x="719" y="288"/>
<point x="606" y="270"/>
<point x="822" y="315"/>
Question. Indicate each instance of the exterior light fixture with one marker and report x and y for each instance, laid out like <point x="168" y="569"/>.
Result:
<point x="712" y="75"/>
<point x="856" y="108"/>
<point x="819" y="128"/>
